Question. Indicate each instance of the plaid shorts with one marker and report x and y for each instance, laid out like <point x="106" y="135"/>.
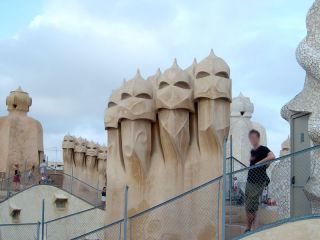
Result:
<point x="252" y="195"/>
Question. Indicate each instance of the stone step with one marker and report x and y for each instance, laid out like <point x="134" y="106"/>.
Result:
<point x="235" y="219"/>
<point x="234" y="230"/>
<point x="235" y="210"/>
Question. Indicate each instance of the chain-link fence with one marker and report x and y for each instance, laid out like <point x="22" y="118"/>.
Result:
<point x="76" y="187"/>
<point x="61" y="228"/>
<point x="75" y="224"/>
<point x="114" y="231"/>
<point x="233" y="164"/>
<point x="192" y="215"/>
<point x="90" y="194"/>
<point x="9" y="186"/>
<point x="272" y="191"/>
<point x="27" y="231"/>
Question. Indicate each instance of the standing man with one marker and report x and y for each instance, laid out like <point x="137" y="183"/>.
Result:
<point x="257" y="176"/>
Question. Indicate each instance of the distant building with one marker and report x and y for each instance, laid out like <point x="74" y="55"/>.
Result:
<point x="56" y="166"/>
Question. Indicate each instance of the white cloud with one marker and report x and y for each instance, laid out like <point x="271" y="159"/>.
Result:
<point x="74" y="53"/>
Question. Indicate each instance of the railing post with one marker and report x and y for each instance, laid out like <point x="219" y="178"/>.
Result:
<point x="230" y="179"/>
<point x="223" y="217"/>
<point x="120" y="231"/>
<point x="42" y="221"/>
<point x="71" y="179"/>
<point x="125" y="218"/>
<point x="8" y="185"/>
<point x="24" y="182"/>
<point x="218" y="211"/>
<point x="97" y="194"/>
<point x="38" y="231"/>
<point x="231" y="154"/>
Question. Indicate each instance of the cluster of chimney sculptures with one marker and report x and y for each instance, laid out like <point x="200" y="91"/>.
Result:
<point x="165" y="136"/>
<point x="85" y="160"/>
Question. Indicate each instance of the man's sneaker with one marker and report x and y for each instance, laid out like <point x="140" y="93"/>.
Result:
<point x="247" y="230"/>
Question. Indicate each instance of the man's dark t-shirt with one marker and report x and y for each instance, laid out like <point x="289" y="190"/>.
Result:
<point x="258" y="174"/>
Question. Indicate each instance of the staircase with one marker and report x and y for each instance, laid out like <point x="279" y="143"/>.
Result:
<point x="235" y="221"/>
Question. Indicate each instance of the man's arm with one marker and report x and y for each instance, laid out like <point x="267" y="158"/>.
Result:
<point x="269" y="157"/>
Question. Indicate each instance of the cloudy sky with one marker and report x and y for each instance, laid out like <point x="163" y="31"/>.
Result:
<point x="69" y="55"/>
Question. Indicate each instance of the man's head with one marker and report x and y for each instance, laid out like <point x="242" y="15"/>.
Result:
<point x="254" y="137"/>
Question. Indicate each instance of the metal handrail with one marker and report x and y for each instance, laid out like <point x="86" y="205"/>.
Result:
<point x="218" y="179"/>
<point x="277" y="160"/>
<point x="36" y="185"/>
<point x="176" y="197"/>
<point x="72" y="214"/>
<point x="98" y="229"/>
<point x="154" y="207"/>
<point x="73" y="177"/>
<point x="238" y="161"/>
<point x="18" y="224"/>
<point x="282" y="158"/>
<point x="270" y="161"/>
<point x="278" y="223"/>
<point x="50" y="168"/>
<point x="8" y="180"/>
<point x="10" y="177"/>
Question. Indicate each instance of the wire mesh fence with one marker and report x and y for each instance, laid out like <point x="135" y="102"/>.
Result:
<point x="272" y="191"/>
<point x="27" y="231"/>
<point x="114" y="231"/>
<point x="236" y="192"/>
<point x="192" y="215"/>
<point x="78" y="188"/>
<point x="9" y="187"/>
<point x="275" y="190"/>
<point x="233" y="164"/>
<point x="75" y="224"/>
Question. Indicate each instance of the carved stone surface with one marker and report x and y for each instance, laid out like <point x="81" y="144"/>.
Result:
<point x="68" y="146"/>
<point x="136" y="99"/>
<point x="212" y="79"/>
<point x="102" y="164"/>
<point x="308" y="56"/>
<point x="280" y="185"/>
<point x="21" y="137"/>
<point x="112" y="114"/>
<point x="241" y="112"/>
<point x="170" y="139"/>
<point x="80" y="150"/>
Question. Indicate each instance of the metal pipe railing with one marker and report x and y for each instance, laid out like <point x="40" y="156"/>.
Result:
<point x="224" y="194"/>
<point x="125" y="218"/>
